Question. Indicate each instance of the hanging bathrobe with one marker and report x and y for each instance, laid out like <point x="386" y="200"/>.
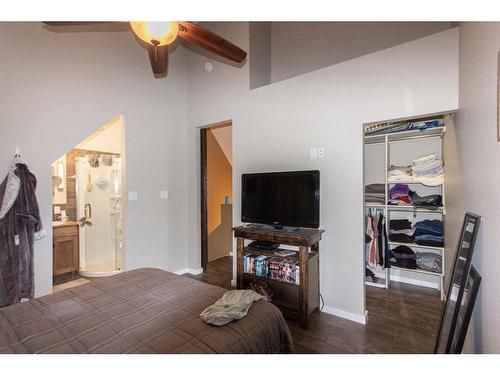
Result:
<point x="20" y="226"/>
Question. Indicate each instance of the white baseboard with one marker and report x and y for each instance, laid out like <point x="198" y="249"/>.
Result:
<point x="407" y="280"/>
<point x="192" y="271"/>
<point x="345" y="314"/>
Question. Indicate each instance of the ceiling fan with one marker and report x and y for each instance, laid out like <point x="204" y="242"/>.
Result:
<point x="157" y="36"/>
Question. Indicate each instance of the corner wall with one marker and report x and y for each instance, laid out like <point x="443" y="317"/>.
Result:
<point x="479" y="159"/>
<point x="274" y="127"/>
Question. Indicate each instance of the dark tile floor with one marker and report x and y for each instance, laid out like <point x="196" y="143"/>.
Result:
<point x="403" y="319"/>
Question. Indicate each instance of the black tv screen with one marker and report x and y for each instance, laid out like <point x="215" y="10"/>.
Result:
<point x="281" y="198"/>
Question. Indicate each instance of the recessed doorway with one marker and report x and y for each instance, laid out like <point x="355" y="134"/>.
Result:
<point x="87" y="206"/>
<point x="217" y="199"/>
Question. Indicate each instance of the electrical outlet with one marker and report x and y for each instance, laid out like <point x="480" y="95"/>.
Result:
<point x="132" y="195"/>
<point x="313" y="153"/>
<point x="163" y="194"/>
<point x="321" y="152"/>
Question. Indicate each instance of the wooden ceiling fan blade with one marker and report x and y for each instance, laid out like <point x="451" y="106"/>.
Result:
<point x="211" y="42"/>
<point x="158" y="56"/>
<point x="75" y="23"/>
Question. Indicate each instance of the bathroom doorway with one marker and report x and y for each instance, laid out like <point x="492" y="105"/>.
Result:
<point x="88" y="206"/>
<point x="216" y="201"/>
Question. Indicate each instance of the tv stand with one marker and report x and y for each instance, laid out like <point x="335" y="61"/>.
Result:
<point x="296" y="301"/>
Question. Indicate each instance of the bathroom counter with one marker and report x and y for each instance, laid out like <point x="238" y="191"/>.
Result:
<point x="60" y="224"/>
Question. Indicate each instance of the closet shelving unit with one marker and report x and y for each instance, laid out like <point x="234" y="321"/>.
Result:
<point x="404" y="136"/>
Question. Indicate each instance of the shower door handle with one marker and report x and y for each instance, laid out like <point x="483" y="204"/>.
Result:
<point x="88" y="211"/>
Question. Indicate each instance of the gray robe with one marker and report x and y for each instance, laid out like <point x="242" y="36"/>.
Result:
<point x="20" y="225"/>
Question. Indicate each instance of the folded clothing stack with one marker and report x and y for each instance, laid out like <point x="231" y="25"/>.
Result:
<point x="403" y="256"/>
<point x="428" y="201"/>
<point x="375" y="193"/>
<point x="402" y="126"/>
<point x="429" y="233"/>
<point x="427" y="165"/>
<point x="400" y="194"/>
<point x="427" y="169"/>
<point x="429" y="262"/>
<point x="423" y="125"/>
<point x="401" y="231"/>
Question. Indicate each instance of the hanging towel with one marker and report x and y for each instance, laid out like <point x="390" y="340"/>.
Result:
<point x="233" y="305"/>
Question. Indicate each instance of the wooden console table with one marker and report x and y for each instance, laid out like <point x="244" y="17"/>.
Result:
<point x="295" y="301"/>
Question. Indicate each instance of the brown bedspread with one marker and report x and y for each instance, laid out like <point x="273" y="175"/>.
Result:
<point x="140" y="311"/>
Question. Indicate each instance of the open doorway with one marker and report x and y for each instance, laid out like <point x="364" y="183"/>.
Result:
<point x="87" y="208"/>
<point x="216" y="202"/>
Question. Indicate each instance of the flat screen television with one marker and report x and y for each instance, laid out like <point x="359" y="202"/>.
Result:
<point x="281" y="198"/>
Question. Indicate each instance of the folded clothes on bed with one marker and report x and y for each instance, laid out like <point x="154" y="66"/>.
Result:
<point x="233" y="305"/>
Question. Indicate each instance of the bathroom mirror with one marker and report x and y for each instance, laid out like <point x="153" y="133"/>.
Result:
<point x="458" y="281"/>
<point x="58" y="168"/>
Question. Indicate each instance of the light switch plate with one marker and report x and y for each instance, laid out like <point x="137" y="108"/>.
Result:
<point x="163" y="194"/>
<point x="313" y="153"/>
<point x="132" y="195"/>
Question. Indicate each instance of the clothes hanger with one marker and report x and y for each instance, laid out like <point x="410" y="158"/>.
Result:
<point x="17" y="157"/>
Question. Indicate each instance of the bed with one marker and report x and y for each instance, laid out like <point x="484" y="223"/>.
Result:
<point x="141" y="311"/>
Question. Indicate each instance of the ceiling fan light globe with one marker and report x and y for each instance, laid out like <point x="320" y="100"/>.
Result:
<point x="162" y="33"/>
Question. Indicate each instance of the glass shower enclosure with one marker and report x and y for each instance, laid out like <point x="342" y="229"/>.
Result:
<point x="98" y="196"/>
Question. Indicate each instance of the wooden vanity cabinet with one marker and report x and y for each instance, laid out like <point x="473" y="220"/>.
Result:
<point x="66" y="255"/>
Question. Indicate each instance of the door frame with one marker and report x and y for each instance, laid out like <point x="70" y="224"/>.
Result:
<point x="204" y="198"/>
<point x="204" y="188"/>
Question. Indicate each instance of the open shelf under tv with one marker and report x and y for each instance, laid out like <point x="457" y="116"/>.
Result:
<point x="295" y="301"/>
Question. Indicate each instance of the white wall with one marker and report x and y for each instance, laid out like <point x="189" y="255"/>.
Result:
<point x="274" y="126"/>
<point x="224" y="137"/>
<point x="260" y="54"/>
<point x="58" y="88"/>
<point x="109" y="138"/>
<point x="479" y="160"/>
<point x="302" y="47"/>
